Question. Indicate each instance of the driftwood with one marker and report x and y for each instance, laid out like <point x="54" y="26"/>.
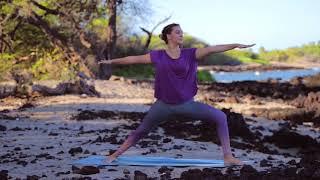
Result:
<point x="7" y="89"/>
<point x="80" y="86"/>
<point x="21" y="86"/>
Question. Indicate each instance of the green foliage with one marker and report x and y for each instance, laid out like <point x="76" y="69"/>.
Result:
<point x="233" y="57"/>
<point x="275" y="55"/>
<point x="204" y="76"/>
<point x="6" y="64"/>
<point x="143" y="71"/>
<point x="139" y="71"/>
<point x="29" y="38"/>
<point x="309" y="51"/>
<point x="9" y="63"/>
<point x="98" y="26"/>
<point x="156" y="42"/>
<point x="51" y="65"/>
<point x="190" y="41"/>
<point x="245" y="56"/>
<point x="219" y="59"/>
<point x="6" y="8"/>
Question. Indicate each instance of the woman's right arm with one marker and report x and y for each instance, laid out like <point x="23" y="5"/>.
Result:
<point x="141" y="59"/>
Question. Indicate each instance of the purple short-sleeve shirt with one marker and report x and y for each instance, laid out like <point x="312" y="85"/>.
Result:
<point x="175" y="79"/>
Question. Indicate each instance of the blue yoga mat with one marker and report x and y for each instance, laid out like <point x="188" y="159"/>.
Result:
<point x="100" y="160"/>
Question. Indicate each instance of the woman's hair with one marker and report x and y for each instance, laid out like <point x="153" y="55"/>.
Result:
<point x="167" y="30"/>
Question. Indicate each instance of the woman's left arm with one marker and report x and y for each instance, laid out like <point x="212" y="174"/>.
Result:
<point x="202" y="52"/>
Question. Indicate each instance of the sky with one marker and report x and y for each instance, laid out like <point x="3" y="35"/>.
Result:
<point x="273" y="24"/>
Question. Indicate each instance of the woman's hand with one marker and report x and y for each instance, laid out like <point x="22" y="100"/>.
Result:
<point x="245" y="46"/>
<point x="105" y="62"/>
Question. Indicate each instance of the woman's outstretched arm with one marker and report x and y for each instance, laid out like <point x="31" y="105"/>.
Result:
<point x="141" y="59"/>
<point x="202" y="52"/>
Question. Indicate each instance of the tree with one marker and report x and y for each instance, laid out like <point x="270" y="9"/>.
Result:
<point x="64" y="24"/>
<point x="105" y="70"/>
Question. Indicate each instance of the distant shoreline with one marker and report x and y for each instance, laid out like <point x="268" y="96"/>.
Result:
<point x="271" y="66"/>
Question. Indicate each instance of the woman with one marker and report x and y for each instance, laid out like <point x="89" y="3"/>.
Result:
<point x="175" y="87"/>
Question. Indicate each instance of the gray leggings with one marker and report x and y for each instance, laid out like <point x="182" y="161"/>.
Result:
<point x="161" y="111"/>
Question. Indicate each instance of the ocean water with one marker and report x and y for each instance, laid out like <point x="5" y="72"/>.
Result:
<point x="282" y="75"/>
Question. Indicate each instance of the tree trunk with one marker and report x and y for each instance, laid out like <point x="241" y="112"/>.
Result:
<point x="105" y="70"/>
<point x="112" y="34"/>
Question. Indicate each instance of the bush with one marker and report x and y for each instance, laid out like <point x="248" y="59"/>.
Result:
<point x="6" y="64"/>
<point x="52" y="65"/>
<point x="143" y="71"/>
<point x="139" y="71"/>
<point x="205" y="76"/>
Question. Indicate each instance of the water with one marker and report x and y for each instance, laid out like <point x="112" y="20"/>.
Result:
<point x="282" y="75"/>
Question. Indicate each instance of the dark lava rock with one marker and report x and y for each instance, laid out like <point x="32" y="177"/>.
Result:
<point x="17" y="129"/>
<point x="112" y="139"/>
<point x="3" y="128"/>
<point x="4" y="174"/>
<point x="191" y="174"/>
<point x="274" y="90"/>
<point x="285" y="138"/>
<point x="76" y="150"/>
<point x="53" y="134"/>
<point x="237" y="125"/>
<point x="292" y="162"/>
<point x="166" y="140"/>
<point x="182" y="127"/>
<point x="6" y="117"/>
<point x="126" y="171"/>
<point x="138" y="175"/>
<point x="211" y="173"/>
<point x="43" y="155"/>
<point x="265" y="163"/>
<point x="33" y="177"/>
<point x="25" y="106"/>
<point x="62" y="173"/>
<point x="165" y="169"/>
<point x="17" y="149"/>
<point x="248" y="172"/>
<point x="85" y="170"/>
<point x="87" y="115"/>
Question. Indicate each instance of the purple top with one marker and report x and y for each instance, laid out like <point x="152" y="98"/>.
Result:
<point x="175" y="79"/>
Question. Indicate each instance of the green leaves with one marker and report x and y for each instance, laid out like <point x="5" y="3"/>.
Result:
<point x="204" y="76"/>
<point x="309" y="51"/>
<point x="52" y="65"/>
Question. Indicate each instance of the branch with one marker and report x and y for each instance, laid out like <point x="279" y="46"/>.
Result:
<point x="161" y="22"/>
<point x="5" y="42"/>
<point x="48" y="10"/>
<point x="83" y="41"/>
<point x="44" y="26"/>
<point x="150" y="32"/>
<point x="13" y="32"/>
<point x="81" y="34"/>
<point x="146" y="31"/>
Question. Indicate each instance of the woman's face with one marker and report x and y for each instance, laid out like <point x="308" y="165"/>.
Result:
<point x="176" y="35"/>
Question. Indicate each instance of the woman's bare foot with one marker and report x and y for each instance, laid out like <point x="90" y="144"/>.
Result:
<point x="230" y="160"/>
<point x="111" y="158"/>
